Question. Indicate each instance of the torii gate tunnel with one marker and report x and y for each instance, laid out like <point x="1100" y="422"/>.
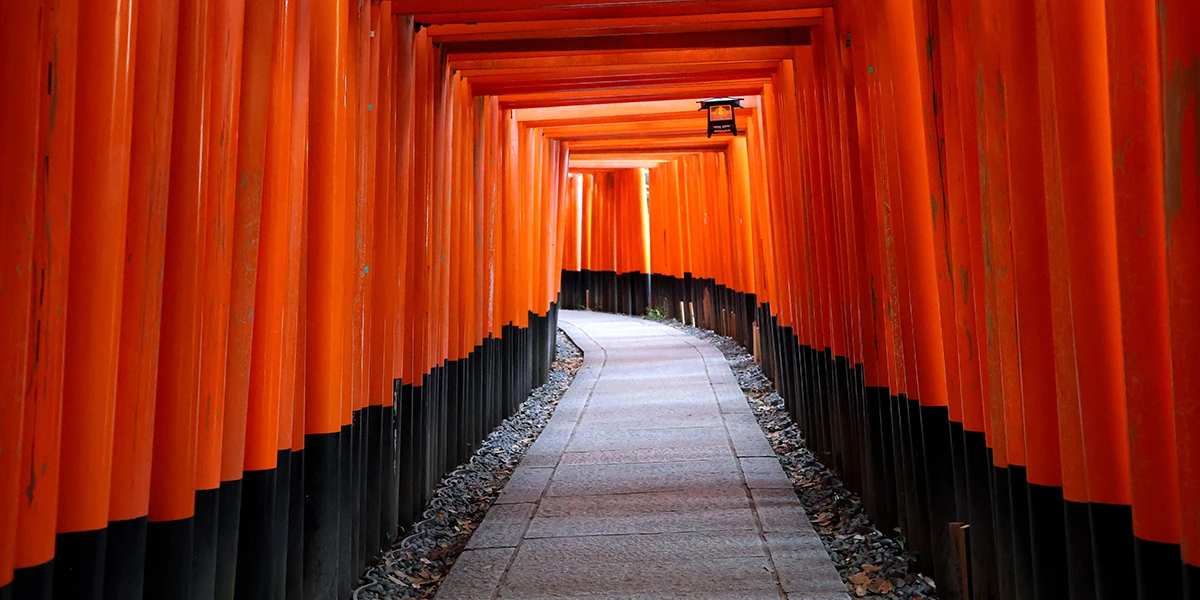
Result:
<point x="270" y="268"/>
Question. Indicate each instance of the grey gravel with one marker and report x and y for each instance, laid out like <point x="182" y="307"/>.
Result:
<point x="871" y="563"/>
<point x="415" y="566"/>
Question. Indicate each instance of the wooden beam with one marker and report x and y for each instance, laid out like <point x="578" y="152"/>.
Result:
<point x="614" y="27"/>
<point x="650" y="57"/>
<point x="615" y="110"/>
<point x="609" y="165"/>
<point x="584" y="73"/>
<point x="699" y="143"/>
<point x="490" y="11"/>
<point x="741" y="38"/>
<point x="498" y="88"/>
<point x="617" y="69"/>
<point x="634" y="130"/>
<point x="637" y="118"/>
<point x="682" y="92"/>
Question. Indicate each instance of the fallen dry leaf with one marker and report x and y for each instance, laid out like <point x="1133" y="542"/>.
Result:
<point x="880" y="586"/>
<point x="423" y="578"/>
<point x="870" y="568"/>
<point x="860" y="579"/>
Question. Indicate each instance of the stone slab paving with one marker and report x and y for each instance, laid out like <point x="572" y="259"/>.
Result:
<point x="652" y="480"/>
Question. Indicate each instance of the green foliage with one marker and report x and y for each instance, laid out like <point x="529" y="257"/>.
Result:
<point x="655" y="314"/>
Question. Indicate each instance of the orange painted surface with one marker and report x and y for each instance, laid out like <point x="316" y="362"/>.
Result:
<point x="225" y="52"/>
<point x="959" y="180"/>
<point x="541" y="10"/>
<point x="999" y="308"/>
<point x="916" y="194"/>
<point x="1137" y="128"/>
<point x="1035" y="332"/>
<point x="366" y="205"/>
<point x="269" y="364"/>
<point x="1180" y="101"/>
<point x="20" y="105"/>
<point x="1070" y="428"/>
<point x="145" y="245"/>
<point x="1085" y="146"/>
<point x="326" y="323"/>
<point x="291" y="385"/>
<point x="172" y="485"/>
<point x="100" y="192"/>
<point x="231" y="252"/>
<point x="37" y="503"/>
<point x="987" y="205"/>
<point x="384" y="289"/>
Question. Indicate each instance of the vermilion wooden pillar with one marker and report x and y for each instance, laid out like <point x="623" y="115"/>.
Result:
<point x="37" y="508"/>
<point x="172" y="481"/>
<point x="1135" y="85"/>
<point x="384" y="357"/>
<point x="225" y="40"/>
<point x="21" y="77"/>
<point x="1080" y="579"/>
<point x="99" y="206"/>
<point x="405" y="350"/>
<point x="358" y="284"/>
<point x="878" y="367"/>
<point x="351" y="289"/>
<point x="292" y="388"/>
<point x="1037" y="501"/>
<point x="145" y="241"/>
<point x="905" y="392"/>
<point x="1179" y="26"/>
<point x="1078" y="47"/>
<point x="327" y="323"/>
<point x="269" y="66"/>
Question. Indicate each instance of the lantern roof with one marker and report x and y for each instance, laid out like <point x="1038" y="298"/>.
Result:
<point x="735" y="102"/>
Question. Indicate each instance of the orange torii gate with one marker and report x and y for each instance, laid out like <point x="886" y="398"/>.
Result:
<point x="268" y="270"/>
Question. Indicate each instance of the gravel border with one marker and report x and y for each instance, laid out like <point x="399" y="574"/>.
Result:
<point x="416" y="565"/>
<point x="872" y="564"/>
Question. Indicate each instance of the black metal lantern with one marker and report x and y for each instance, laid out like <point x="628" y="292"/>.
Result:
<point x="720" y="114"/>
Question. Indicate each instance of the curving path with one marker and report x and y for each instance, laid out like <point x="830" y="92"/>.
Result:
<point x="652" y="480"/>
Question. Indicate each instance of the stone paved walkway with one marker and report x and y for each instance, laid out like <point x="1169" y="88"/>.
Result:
<point x="652" y="480"/>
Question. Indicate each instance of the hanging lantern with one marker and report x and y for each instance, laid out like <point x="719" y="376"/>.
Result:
<point x="720" y="114"/>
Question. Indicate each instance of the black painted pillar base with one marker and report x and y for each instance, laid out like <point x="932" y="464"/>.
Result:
<point x="37" y="583"/>
<point x="296" y="524"/>
<point x="257" y="537"/>
<point x="940" y="489"/>
<point x="323" y="534"/>
<point x="228" y="525"/>
<point x="1018" y="496"/>
<point x="1113" y="551"/>
<point x="1003" y="528"/>
<point x="79" y="567"/>
<point x="372" y="481"/>
<point x="1158" y="566"/>
<point x="984" y="572"/>
<point x="1080" y="567"/>
<point x="169" y="546"/>
<point x="205" y="548"/>
<point x="1191" y="582"/>
<point x="125" y="568"/>
<point x="1049" y="542"/>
